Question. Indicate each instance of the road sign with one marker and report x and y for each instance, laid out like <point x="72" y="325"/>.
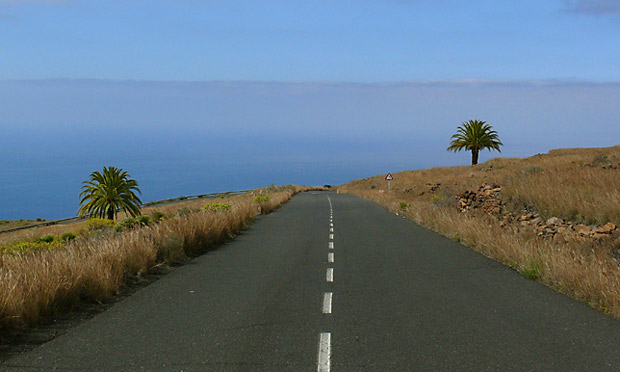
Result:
<point x="389" y="178"/>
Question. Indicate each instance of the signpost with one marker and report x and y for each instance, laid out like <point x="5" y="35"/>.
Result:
<point x="389" y="178"/>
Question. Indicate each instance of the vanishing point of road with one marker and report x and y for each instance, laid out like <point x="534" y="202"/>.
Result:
<point x="333" y="282"/>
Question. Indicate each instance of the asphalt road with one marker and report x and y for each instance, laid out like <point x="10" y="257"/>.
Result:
<point x="398" y="298"/>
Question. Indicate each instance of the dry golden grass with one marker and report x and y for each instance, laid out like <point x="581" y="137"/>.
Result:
<point x="573" y="184"/>
<point x="94" y="267"/>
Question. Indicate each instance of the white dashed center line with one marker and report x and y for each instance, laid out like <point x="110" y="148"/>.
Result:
<point x="324" y="357"/>
<point x="325" y="352"/>
<point x="330" y="275"/>
<point x="327" y="303"/>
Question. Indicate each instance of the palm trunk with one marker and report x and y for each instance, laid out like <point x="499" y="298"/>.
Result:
<point x="474" y="156"/>
<point x="111" y="214"/>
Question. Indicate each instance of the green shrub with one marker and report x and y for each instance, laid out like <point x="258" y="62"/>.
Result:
<point x="67" y="236"/>
<point x="125" y="224"/>
<point x="530" y="273"/>
<point x="143" y="220"/>
<point x="404" y="206"/>
<point x="98" y="224"/>
<point x="157" y="216"/>
<point x="49" y="238"/>
<point x="27" y="247"/>
<point x="532" y="269"/>
<point x="261" y="198"/>
<point x="216" y="207"/>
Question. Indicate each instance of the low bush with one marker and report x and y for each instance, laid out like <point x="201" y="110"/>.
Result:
<point x="217" y="207"/>
<point x="126" y="223"/>
<point x="156" y="216"/>
<point x="35" y="246"/>
<point x="46" y="238"/>
<point x="143" y="220"/>
<point x="96" y="224"/>
<point x="261" y="198"/>
<point x="67" y="236"/>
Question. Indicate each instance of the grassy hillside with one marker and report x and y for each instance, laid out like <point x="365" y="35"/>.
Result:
<point x="551" y="216"/>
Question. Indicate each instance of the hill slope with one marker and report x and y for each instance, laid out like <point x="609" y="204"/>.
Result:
<point x="551" y="216"/>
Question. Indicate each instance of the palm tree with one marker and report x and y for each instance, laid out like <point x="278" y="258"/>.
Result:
<point x="475" y="135"/>
<point x="109" y="192"/>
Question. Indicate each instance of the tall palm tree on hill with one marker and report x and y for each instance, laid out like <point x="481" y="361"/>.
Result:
<point x="474" y="136"/>
<point x="108" y="192"/>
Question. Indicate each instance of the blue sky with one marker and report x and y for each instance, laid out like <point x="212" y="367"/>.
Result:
<point x="323" y="40"/>
<point x="197" y="96"/>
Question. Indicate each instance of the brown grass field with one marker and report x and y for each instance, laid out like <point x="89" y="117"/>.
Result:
<point x="35" y="283"/>
<point x="579" y="186"/>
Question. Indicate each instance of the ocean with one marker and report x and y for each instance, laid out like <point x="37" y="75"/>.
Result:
<point x="50" y="188"/>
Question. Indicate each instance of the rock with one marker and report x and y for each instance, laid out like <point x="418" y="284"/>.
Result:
<point x="599" y="236"/>
<point x="582" y="229"/>
<point x="542" y="228"/>
<point x="554" y="221"/>
<point x="608" y="228"/>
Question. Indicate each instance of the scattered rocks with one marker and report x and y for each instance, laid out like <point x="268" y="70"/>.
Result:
<point x="611" y="166"/>
<point x="485" y="200"/>
<point x="432" y="187"/>
<point x="559" y="230"/>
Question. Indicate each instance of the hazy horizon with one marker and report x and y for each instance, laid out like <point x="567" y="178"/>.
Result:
<point x="184" y="138"/>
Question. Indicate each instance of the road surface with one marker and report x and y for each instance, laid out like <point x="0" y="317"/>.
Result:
<point x="332" y="282"/>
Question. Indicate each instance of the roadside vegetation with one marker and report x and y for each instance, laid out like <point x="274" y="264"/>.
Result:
<point x="553" y="216"/>
<point x="48" y="270"/>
